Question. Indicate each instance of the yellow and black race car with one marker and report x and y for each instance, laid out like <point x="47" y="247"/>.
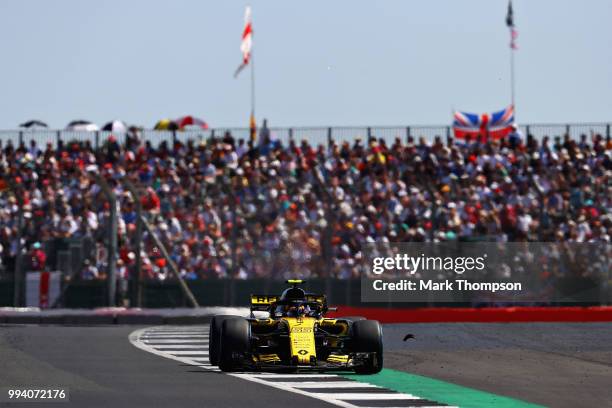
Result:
<point x="295" y="336"/>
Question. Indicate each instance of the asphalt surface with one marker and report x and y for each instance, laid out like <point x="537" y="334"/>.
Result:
<point x="553" y="364"/>
<point x="101" y="368"/>
<point x="550" y="364"/>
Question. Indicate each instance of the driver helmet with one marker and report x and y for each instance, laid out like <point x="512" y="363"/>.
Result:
<point x="293" y="294"/>
<point x="295" y="299"/>
<point x="297" y="310"/>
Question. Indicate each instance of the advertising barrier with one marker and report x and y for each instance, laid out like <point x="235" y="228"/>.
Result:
<point x="232" y="292"/>
<point x="42" y="288"/>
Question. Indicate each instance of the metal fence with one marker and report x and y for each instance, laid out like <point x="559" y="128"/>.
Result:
<point x="315" y="135"/>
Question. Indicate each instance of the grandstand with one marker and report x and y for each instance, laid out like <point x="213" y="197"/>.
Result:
<point x="228" y="207"/>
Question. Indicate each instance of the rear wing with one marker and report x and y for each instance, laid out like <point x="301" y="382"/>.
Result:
<point x="262" y="302"/>
<point x="321" y="299"/>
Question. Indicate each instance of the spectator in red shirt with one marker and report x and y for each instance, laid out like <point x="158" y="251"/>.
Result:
<point x="38" y="258"/>
<point x="151" y="201"/>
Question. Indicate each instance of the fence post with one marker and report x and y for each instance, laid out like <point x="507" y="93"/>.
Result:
<point x="173" y="138"/>
<point x="330" y="217"/>
<point x="527" y="131"/>
<point x="112" y="240"/>
<point x="608" y="131"/>
<point x="290" y="135"/>
<point x="20" y="137"/>
<point x="137" y="278"/>
<point x="59" y="137"/>
<point x="448" y="137"/>
<point x="407" y="133"/>
<point x="329" y="137"/>
<point x="97" y="139"/>
<point x="369" y="135"/>
<point x="567" y="130"/>
<point x="112" y="254"/>
<point x="234" y="201"/>
<point x="19" y="278"/>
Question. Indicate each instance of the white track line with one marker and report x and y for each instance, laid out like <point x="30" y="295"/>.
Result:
<point x="333" y="384"/>
<point x="135" y="339"/>
<point x="174" y="341"/>
<point x="175" y="332"/>
<point x="272" y="375"/>
<point x="179" y="346"/>
<point x="177" y="336"/>
<point x="292" y="388"/>
<point x="186" y="352"/>
<point x="178" y="328"/>
<point x="365" y="396"/>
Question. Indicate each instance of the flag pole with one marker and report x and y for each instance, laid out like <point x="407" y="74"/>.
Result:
<point x="246" y="47"/>
<point x="252" y="122"/>
<point x="512" y="83"/>
<point x="512" y="46"/>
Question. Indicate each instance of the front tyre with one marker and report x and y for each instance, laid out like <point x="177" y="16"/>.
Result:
<point x="367" y="338"/>
<point x="236" y="342"/>
<point x="214" y="337"/>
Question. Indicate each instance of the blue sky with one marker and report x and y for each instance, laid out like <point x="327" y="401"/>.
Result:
<point x="317" y="63"/>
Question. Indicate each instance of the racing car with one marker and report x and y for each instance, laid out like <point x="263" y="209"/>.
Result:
<point x="295" y="336"/>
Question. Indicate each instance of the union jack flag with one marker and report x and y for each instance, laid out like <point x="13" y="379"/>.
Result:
<point x="487" y="126"/>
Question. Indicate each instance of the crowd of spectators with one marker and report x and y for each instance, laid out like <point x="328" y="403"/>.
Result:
<point x="236" y="208"/>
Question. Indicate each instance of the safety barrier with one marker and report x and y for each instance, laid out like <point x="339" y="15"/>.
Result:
<point x="480" y="315"/>
<point x="315" y="135"/>
<point x="6" y="292"/>
<point x="234" y="292"/>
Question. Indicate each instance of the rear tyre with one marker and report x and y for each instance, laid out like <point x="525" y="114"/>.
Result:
<point x="235" y="339"/>
<point x="367" y="337"/>
<point x="214" y="337"/>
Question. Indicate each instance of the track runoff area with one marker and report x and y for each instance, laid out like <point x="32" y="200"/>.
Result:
<point x="390" y="388"/>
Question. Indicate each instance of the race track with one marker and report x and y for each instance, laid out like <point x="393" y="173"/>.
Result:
<point x="548" y="364"/>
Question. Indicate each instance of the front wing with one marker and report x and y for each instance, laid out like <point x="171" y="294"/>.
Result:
<point x="339" y="363"/>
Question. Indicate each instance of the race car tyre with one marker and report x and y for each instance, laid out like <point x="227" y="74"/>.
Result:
<point x="235" y="339"/>
<point x="214" y="337"/>
<point x="367" y="337"/>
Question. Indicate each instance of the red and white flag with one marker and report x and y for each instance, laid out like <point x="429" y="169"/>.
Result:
<point x="247" y="41"/>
